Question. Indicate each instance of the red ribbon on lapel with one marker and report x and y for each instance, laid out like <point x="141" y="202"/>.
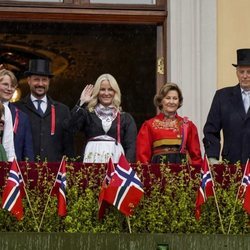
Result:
<point x="16" y="122"/>
<point x="119" y="127"/>
<point x="53" y="120"/>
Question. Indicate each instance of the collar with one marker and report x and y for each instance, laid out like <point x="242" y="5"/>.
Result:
<point x="44" y="99"/>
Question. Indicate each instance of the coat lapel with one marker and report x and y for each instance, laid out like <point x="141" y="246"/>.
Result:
<point x="237" y="102"/>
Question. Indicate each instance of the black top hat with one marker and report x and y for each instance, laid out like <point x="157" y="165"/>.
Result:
<point x="243" y="57"/>
<point x="40" y="67"/>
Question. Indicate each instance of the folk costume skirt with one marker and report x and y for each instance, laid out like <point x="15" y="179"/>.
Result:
<point x="100" y="148"/>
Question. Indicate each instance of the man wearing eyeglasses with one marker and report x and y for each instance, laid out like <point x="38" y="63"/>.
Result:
<point x="230" y="114"/>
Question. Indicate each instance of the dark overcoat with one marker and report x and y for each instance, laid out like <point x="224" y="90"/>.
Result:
<point x="48" y="144"/>
<point x="22" y="136"/>
<point x="227" y="113"/>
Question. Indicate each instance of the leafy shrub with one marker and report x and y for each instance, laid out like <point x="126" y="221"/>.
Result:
<point x="168" y="205"/>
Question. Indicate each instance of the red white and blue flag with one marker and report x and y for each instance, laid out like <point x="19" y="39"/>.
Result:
<point x="245" y="187"/>
<point x="59" y="189"/>
<point x="14" y="191"/>
<point x="206" y="187"/>
<point x="125" y="188"/>
<point x="101" y="202"/>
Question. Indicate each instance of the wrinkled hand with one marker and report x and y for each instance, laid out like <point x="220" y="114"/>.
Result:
<point x="86" y="94"/>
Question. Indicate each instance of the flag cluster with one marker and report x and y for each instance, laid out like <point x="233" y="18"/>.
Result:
<point x="121" y="188"/>
<point x="14" y="190"/>
<point x="206" y="187"/>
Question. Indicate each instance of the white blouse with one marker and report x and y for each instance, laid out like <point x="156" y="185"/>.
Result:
<point x="8" y="136"/>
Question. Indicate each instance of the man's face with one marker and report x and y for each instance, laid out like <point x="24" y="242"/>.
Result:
<point x="243" y="74"/>
<point x="7" y="88"/>
<point x="39" y="85"/>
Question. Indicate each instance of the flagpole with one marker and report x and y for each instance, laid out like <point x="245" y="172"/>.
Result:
<point x="26" y="193"/>
<point x="47" y="203"/>
<point x="216" y="201"/>
<point x="229" y="228"/>
<point x="129" y="226"/>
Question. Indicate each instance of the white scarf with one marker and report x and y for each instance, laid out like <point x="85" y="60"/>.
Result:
<point x="106" y="114"/>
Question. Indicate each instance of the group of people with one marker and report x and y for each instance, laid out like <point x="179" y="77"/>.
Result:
<point x="40" y="128"/>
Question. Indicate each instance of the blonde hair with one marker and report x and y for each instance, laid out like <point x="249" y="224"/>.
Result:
<point x="4" y="72"/>
<point x="114" y="85"/>
<point x="163" y="92"/>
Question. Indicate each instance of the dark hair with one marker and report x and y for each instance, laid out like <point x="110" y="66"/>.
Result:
<point x="163" y="92"/>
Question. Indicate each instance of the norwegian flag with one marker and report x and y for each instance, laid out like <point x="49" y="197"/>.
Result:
<point x="245" y="188"/>
<point x="102" y="204"/>
<point x="59" y="189"/>
<point x="125" y="188"/>
<point x="206" y="187"/>
<point x="14" y="192"/>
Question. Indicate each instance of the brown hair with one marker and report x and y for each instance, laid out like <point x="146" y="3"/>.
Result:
<point x="163" y="92"/>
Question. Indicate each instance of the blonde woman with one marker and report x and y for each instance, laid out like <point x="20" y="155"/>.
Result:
<point x="109" y="131"/>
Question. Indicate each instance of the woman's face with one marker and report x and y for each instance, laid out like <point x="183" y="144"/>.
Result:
<point x="106" y="93"/>
<point x="170" y="102"/>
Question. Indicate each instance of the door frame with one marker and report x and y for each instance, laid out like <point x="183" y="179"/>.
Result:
<point x="86" y="12"/>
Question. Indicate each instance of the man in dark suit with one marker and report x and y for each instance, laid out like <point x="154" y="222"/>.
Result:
<point x="51" y="141"/>
<point x="230" y="114"/>
<point x="21" y="125"/>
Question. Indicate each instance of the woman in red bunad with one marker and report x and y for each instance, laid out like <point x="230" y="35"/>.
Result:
<point x="167" y="137"/>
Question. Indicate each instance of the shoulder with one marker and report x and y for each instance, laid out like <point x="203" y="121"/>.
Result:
<point x="58" y="104"/>
<point x="14" y="107"/>
<point x="126" y="115"/>
<point x="186" y="121"/>
<point x="156" y="118"/>
<point x="22" y="103"/>
<point x="228" y="90"/>
<point x="127" y="118"/>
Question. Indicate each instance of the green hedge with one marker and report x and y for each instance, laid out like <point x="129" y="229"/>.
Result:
<point x="167" y="207"/>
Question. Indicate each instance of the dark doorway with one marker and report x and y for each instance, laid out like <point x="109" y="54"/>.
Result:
<point x="81" y="52"/>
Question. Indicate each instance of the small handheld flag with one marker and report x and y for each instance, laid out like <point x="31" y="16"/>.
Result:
<point x="125" y="188"/>
<point x="206" y="187"/>
<point x="59" y="189"/>
<point x="13" y="192"/>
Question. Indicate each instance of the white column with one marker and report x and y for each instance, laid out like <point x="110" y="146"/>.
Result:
<point x="192" y="58"/>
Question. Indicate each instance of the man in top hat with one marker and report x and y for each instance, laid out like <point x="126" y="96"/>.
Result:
<point x="230" y="114"/>
<point x="51" y="141"/>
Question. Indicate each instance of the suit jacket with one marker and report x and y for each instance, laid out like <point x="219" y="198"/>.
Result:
<point x="227" y="113"/>
<point x="48" y="144"/>
<point x="23" y="136"/>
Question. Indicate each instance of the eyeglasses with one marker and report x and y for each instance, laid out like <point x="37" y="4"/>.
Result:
<point x="8" y="86"/>
<point x="243" y="72"/>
